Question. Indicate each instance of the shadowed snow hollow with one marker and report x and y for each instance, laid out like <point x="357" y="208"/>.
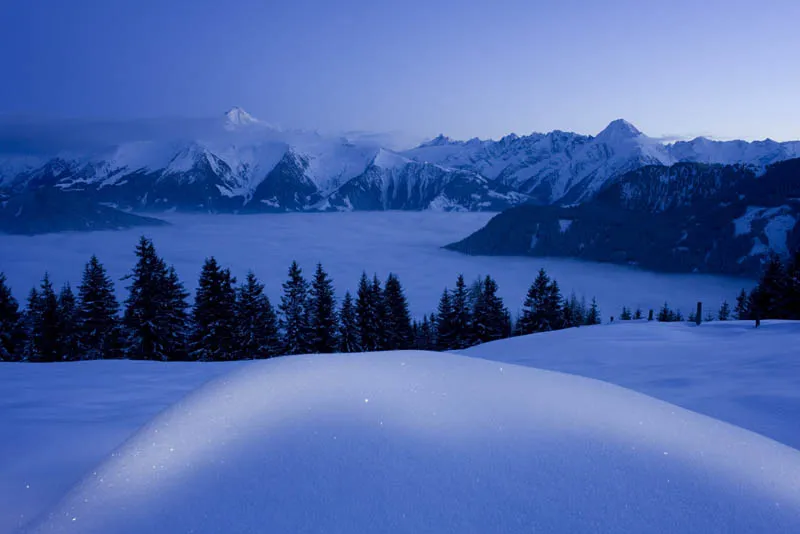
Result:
<point x="425" y="442"/>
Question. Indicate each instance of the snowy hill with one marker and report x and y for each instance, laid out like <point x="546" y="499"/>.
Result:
<point x="406" y="442"/>
<point x="410" y="441"/>
<point x="220" y="164"/>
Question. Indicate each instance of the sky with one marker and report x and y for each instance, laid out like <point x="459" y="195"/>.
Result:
<point x="485" y="68"/>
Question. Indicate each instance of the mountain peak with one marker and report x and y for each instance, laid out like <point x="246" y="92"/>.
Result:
<point x="236" y="116"/>
<point x="619" y="129"/>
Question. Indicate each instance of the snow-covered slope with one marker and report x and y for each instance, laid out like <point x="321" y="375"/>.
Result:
<point x="411" y="442"/>
<point x="566" y="167"/>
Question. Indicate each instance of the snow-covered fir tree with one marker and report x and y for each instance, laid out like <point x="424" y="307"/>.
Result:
<point x="98" y="314"/>
<point x="399" y="334"/>
<point x="294" y="322"/>
<point x="324" y="323"/>
<point x="11" y="337"/>
<point x="256" y="321"/>
<point x="213" y="333"/>
<point x="348" y="326"/>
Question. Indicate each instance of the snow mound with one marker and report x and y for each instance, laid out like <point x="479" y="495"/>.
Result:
<point x="413" y="442"/>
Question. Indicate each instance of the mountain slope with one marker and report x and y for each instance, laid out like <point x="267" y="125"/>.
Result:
<point x="689" y="217"/>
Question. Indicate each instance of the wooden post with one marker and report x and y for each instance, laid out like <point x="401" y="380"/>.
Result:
<point x="699" y="318"/>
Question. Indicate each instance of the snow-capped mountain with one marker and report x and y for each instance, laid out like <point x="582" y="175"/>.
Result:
<point x="237" y="162"/>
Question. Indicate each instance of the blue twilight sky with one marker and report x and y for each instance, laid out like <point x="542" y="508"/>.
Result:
<point x="724" y="68"/>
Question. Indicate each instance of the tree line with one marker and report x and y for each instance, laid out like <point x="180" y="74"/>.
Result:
<point x="230" y="321"/>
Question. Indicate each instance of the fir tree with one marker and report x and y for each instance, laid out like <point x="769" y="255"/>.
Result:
<point x="424" y="335"/>
<point x="742" y="306"/>
<point x="638" y="314"/>
<point x="490" y="315"/>
<point x="43" y="325"/>
<point x="678" y="317"/>
<point x="381" y="314"/>
<point x="398" y="319"/>
<point x="461" y="315"/>
<point x="692" y="317"/>
<point x="256" y="322"/>
<point x="294" y="313"/>
<point x="155" y="317"/>
<point x="367" y="315"/>
<point x="445" y="323"/>
<point x="68" y="324"/>
<point x="348" y="326"/>
<point x="97" y="314"/>
<point x="768" y="299"/>
<point x="533" y="308"/>
<point x="793" y="287"/>
<point x="625" y="315"/>
<point x="593" y="315"/>
<point x="10" y="324"/>
<point x="666" y="315"/>
<point x="724" y="311"/>
<point x="323" y="322"/>
<point x="552" y="308"/>
<point x="213" y="336"/>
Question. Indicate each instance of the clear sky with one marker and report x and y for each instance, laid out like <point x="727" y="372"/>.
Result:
<point x="725" y="68"/>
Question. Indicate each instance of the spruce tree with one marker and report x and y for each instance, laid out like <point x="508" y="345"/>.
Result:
<point x="398" y="320"/>
<point x="724" y="311"/>
<point x="666" y="315"/>
<point x="97" y="314"/>
<point x="593" y="315"/>
<point x="367" y="315"/>
<point x="677" y="317"/>
<point x="461" y="315"/>
<point x="10" y="324"/>
<point x="42" y="324"/>
<point x="155" y="318"/>
<point x="213" y="333"/>
<point x="625" y="315"/>
<point x="793" y="287"/>
<point x="552" y="316"/>
<point x="490" y="315"/>
<point x="424" y="338"/>
<point x="294" y="313"/>
<point x="68" y="324"/>
<point x="256" y="322"/>
<point x="742" y="310"/>
<point x="768" y="299"/>
<point x="348" y="326"/>
<point x="324" y="324"/>
<point x="381" y="314"/>
<point x="533" y="308"/>
<point x="445" y="329"/>
<point x="638" y="314"/>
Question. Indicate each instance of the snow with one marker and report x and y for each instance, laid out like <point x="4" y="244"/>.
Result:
<point x="779" y="224"/>
<point x="406" y="243"/>
<point x="564" y="225"/>
<point x="402" y="442"/>
<point x="777" y="231"/>
<point x="727" y="370"/>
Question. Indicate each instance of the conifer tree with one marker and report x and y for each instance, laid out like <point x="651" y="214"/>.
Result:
<point x="445" y="323"/>
<point x="381" y="314"/>
<point x="490" y="315"/>
<point x="155" y="317"/>
<point x="43" y="327"/>
<point x="768" y="299"/>
<point x="743" y="306"/>
<point x="213" y="335"/>
<point x="666" y="315"/>
<point x="677" y="317"/>
<point x="625" y="315"/>
<point x="97" y="314"/>
<point x="398" y="320"/>
<point x="348" y="326"/>
<point x="294" y="309"/>
<point x="724" y="311"/>
<point x="552" y="315"/>
<point x="593" y="315"/>
<point x="367" y="315"/>
<point x="638" y="314"/>
<point x="10" y="324"/>
<point x="256" y="322"/>
<point x="533" y="308"/>
<point x="461" y="315"/>
<point x="68" y="324"/>
<point x="323" y="322"/>
<point x="424" y="337"/>
<point x="793" y="287"/>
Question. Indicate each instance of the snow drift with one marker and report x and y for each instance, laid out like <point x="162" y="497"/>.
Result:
<point x="427" y="442"/>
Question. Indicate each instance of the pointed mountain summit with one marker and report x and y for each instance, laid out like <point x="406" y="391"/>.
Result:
<point x="618" y="130"/>
<point x="237" y="117"/>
